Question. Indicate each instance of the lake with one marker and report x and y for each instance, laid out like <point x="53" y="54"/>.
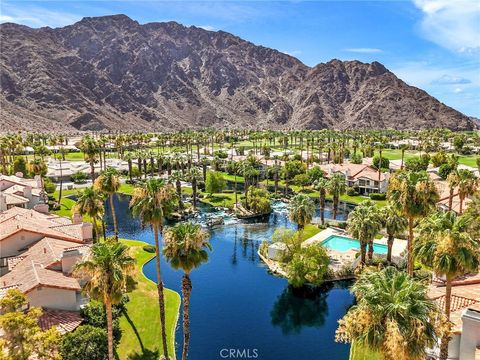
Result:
<point x="237" y="304"/>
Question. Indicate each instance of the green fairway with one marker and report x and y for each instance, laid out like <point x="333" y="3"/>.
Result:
<point x="140" y="323"/>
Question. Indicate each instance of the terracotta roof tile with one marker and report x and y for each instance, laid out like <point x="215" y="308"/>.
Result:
<point x="65" y="321"/>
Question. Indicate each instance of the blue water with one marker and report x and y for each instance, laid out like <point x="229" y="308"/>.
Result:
<point x="341" y="243"/>
<point x="237" y="304"/>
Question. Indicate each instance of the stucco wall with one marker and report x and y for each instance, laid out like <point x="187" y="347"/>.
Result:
<point x="11" y="245"/>
<point x="53" y="298"/>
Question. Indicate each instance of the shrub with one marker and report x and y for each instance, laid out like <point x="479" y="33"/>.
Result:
<point x="314" y="174"/>
<point x="308" y="265"/>
<point x="439" y="158"/>
<point x="87" y="342"/>
<point x="384" y="165"/>
<point x="20" y="165"/>
<point x="94" y="314"/>
<point x="444" y="170"/>
<point x="215" y="182"/>
<point x="79" y="177"/>
<point x="49" y="186"/>
<point x="356" y="159"/>
<point x="378" y="196"/>
<point x="220" y="154"/>
<point x="149" y="248"/>
<point x="351" y="191"/>
<point x="301" y="180"/>
<point x="417" y="163"/>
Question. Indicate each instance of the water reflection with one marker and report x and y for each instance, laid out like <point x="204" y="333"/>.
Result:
<point x="296" y="308"/>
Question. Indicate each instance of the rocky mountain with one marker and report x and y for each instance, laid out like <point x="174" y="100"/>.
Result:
<point x="113" y="73"/>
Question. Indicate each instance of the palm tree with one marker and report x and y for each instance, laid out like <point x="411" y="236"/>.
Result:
<point x="452" y="181"/>
<point x="91" y="151"/>
<point x="107" y="270"/>
<point x="302" y="209"/>
<point x="393" y="315"/>
<point x="178" y="177"/>
<point x="336" y="187"/>
<point x="363" y="223"/>
<point x="467" y="185"/>
<point x="322" y="185"/>
<point x="90" y="203"/>
<point x="394" y="224"/>
<point x="151" y="202"/>
<point x="415" y="196"/>
<point x="193" y="176"/>
<point x="447" y="247"/>
<point x="185" y="247"/>
<point x="109" y="183"/>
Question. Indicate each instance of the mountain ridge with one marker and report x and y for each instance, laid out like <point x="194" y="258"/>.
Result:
<point x="113" y="73"/>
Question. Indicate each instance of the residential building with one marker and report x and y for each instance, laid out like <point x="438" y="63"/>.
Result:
<point x="465" y="316"/>
<point x="38" y="253"/>
<point x="359" y="176"/>
<point x="15" y="190"/>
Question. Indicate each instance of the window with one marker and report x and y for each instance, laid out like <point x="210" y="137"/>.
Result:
<point x="376" y="183"/>
<point x="362" y="182"/>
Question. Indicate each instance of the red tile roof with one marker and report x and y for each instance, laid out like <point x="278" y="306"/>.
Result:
<point x="65" y="321"/>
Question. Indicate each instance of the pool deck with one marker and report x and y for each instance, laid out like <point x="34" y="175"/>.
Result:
<point x="399" y="245"/>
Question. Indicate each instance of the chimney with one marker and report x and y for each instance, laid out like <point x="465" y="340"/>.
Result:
<point x="41" y="208"/>
<point x="27" y="192"/>
<point x="19" y="174"/>
<point x="87" y="231"/>
<point x="38" y="179"/>
<point x="77" y="218"/>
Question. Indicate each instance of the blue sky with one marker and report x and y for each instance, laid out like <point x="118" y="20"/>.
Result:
<point x="431" y="44"/>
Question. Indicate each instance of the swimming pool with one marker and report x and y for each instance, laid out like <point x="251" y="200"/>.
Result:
<point x="341" y="243"/>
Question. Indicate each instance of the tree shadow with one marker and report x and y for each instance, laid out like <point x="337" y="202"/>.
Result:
<point x="145" y="355"/>
<point x="129" y="320"/>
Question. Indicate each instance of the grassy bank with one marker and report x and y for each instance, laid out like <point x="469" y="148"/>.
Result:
<point x="141" y="323"/>
<point x="358" y="352"/>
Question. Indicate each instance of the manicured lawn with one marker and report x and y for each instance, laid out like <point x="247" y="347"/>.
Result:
<point x="220" y="199"/>
<point x="228" y="177"/>
<point x="309" y="231"/>
<point x="469" y="160"/>
<point x="65" y="207"/>
<point x="396" y="154"/>
<point x="358" y="352"/>
<point x="141" y="323"/>
<point x="126" y="189"/>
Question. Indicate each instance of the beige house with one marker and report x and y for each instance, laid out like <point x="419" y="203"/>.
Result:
<point x="359" y="176"/>
<point x="38" y="252"/>
<point x="15" y="190"/>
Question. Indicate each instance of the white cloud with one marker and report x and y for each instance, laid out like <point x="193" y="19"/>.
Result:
<point x="35" y="16"/>
<point x="457" y="90"/>
<point x="293" y="52"/>
<point x="449" y="80"/>
<point x="453" y="24"/>
<point x="207" y="27"/>
<point x="364" y="50"/>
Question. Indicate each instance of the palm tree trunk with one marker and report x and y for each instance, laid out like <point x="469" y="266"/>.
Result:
<point x="363" y="252"/>
<point x="186" y="290"/>
<point x="446" y="338"/>
<point x="370" y="249"/>
<point x="322" y="207"/>
<point x="335" y="206"/>
<point x="108" y="307"/>
<point x="403" y="155"/>
<point x="161" y="299"/>
<point x="390" y="245"/>
<point x="92" y="171"/>
<point x="410" y="247"/>
<point x="194" y="194"/>
<point x="450" y="199"/>
<point x="460" y="211"/>
<point x="95" y="229"/>
<point x="114" y="217"/>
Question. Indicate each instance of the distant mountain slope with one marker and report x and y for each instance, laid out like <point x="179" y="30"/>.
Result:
<point x="113" y="73"/>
